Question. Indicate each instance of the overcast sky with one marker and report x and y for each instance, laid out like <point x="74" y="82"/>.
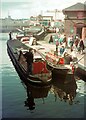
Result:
<point x="26" y="8"/>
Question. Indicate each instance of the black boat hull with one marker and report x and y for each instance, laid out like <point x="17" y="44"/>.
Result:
<point x="61" y="74"/>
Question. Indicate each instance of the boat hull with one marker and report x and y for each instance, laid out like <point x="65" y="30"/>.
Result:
<point x="60" y="74"/>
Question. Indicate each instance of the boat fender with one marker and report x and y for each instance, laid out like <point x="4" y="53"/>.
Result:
<point x="73" y="69"/>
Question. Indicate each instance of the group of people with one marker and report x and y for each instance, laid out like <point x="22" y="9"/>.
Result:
<point x="59" y="45"/>
<point x="69" y="47"/>
<point x="77" y="43"/>
<point x="72" y="43"/>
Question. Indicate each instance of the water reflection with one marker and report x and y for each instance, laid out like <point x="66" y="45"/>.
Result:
<point x="64" y="91"/>
<point x="35" y="92"/>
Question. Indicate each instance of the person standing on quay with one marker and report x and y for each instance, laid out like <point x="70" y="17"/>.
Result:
<point x="81" y="45"/>
<point x="51" y="39"/>
<point x="57" y="44"/>
<point x="71" y="43"/>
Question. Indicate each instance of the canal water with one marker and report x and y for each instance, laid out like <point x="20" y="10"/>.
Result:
<point x="13" y="94"/>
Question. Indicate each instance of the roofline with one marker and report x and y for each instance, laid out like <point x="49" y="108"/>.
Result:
<point x="73" y="11"/>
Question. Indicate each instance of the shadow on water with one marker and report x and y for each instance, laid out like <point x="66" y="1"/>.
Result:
<point x="64" y="91"/>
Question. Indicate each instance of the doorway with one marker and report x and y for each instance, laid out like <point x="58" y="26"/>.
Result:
<point x="79" y="32"/>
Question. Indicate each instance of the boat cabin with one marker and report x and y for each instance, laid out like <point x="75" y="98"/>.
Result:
<point x="39" y="65"/>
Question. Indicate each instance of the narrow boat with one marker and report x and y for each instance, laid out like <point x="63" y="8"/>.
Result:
<point x="41" y="75"/>
<point x="59" y="68"/>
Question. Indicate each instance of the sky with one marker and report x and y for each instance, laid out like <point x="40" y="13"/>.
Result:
<point x="26" y="8"/>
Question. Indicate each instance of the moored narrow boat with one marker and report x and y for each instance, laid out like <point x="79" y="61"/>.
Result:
<point x="59" y="68"/>
<point x="41" y="75"/>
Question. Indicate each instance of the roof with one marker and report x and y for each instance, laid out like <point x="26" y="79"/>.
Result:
<point x="76" y="7"/>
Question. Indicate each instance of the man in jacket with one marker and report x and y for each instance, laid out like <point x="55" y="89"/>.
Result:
<point x="29" y="60"/>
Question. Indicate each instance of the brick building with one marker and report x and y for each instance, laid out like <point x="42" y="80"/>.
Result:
<point x="75" y="20"/>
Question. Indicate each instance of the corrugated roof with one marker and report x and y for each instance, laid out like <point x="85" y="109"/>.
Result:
<point x="76" y="7"/>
